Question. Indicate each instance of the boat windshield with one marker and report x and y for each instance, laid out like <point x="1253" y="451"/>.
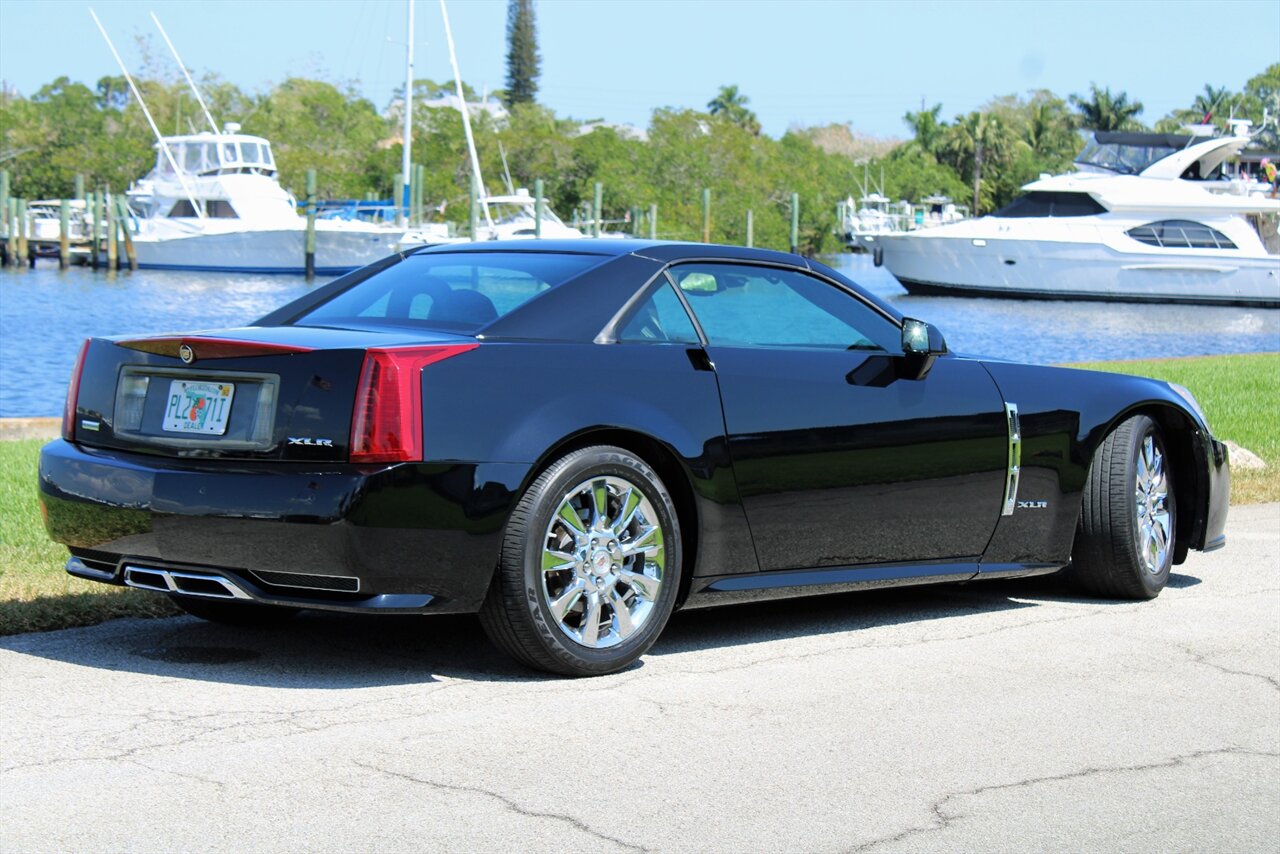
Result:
<point x="1128" y="154"/>
<point x="508" y="213"/>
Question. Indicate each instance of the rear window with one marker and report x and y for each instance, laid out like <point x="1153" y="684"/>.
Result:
<point x="454" y="292"/>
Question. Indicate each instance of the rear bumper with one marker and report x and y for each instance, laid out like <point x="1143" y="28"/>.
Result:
<point x="335" y="536"/>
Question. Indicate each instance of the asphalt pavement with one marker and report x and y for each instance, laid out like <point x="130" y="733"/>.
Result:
<point x="1003" y="716"/>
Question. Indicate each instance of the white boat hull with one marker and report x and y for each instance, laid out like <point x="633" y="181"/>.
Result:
<point x="338" y="250"/>
<point x="1045" y="269"/>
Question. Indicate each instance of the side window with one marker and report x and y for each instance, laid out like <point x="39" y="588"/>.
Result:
<point x="1180" y="234"/>
<point x="746" y="306"/>
<point x="661" y="317"/>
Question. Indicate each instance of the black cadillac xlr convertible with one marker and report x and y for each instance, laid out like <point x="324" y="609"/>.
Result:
<point x="575" y="438"/>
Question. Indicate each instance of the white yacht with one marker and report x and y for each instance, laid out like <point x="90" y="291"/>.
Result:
<point x="513" y="218"/>
<point x="222" y="208"/>
<point x="1147" y="218"/>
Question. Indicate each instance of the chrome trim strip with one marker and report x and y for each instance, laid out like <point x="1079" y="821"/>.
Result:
<point x="75" y="566"/>
<point x="305" y="587"/>
<point x="136" y="576"/>
<point x="1015" y="459"/>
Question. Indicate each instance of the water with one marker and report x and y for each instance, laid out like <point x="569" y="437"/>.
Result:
<point x="45" y="314"/>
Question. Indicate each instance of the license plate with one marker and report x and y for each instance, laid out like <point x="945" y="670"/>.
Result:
<point x="198" y="407"/>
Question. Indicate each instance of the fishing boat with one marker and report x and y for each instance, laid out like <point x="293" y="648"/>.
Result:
<point x="213" y="202"/>
<point x="1145" y="218"/>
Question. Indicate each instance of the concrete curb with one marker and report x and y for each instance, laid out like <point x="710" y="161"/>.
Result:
<point x="29" y="428"/>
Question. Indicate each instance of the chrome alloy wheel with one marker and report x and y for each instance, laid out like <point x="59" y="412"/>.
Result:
<point x="602" y="562"/>
<point x="1151" y="495"/>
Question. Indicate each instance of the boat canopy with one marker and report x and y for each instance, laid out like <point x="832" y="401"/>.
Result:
<point x="221" y="154"/>
<point x="1128" y="153"/>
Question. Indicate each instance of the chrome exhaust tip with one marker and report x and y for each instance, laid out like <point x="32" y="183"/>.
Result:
<point x="206" y="585"/>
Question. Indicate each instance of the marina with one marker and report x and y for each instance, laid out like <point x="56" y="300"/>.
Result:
<point x="45" y="314"/>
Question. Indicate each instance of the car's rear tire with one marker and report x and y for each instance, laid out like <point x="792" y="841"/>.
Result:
<point x="590" y="566"/>
<point x="234" y="612"/>
<point x="1125" y="540"/>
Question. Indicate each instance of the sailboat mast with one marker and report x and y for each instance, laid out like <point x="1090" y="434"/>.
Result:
<point x="405" y="158"/>
<point x="164" y="146"/>
<point x="187" y="74"/>
<point x="466" y="121"/>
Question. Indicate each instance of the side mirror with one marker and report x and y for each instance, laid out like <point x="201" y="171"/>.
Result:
<point x="921" y="345"/>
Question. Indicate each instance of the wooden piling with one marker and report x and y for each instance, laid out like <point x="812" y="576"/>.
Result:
<point x="751" y="231"/>
<point x="94" y="203"/>
<point x="79" y="187"/>
<point x="537" y="207"/>
<point x="309" y="261"/>
<point x="795" y="222"/>
<point x="64" y="236"/>
<point x="4" y="203"/>
<point x="706" y="215"/>
<point x="113" y="245"/>
<point x="126" y="230"/>
<point x="653" y="222"/>
<point x="20" y="226"/>
<point x="597" y="209"/>
<point x="8" y="213"/>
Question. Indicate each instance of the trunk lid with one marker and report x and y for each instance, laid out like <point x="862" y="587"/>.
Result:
<point x="278" y="393"/>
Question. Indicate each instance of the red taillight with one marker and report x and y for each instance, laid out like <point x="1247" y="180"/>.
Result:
<point x="73" y="392"/>
<point x="386" y="426"/>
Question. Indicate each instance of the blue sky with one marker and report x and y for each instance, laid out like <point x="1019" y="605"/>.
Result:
<point x="800" y="62"/>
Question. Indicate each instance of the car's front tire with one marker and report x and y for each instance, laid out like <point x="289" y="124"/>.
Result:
<point x="590" y="566"/>
<point x="1125" y="540"/>
<point x="234" y="612"/>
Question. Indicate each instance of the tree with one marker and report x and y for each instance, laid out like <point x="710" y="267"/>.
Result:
<point x="927" y="128"/>
<point x="1107" y="112"/>
<point x="523" y="60"/>
<point x="732" y="105"/>
<point x="976" y="140"/>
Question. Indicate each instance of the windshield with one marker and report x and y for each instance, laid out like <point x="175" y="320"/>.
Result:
<point x="1127" y="159"/>
<point x="507" y="213"/>
<point x="449" y="291"/>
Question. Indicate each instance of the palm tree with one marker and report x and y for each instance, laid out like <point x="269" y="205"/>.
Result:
<point x="1105" y="111"/>
<point x="976" y="139"/>
<point x="926" y="127"/>
<point x="732" y="104"/>
<point x="1213" y="100"/>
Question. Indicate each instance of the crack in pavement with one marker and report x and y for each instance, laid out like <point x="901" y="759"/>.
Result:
<point x="943" y="819"/>
<point x="1202" y="658"/>
<point x="505" y="801"/>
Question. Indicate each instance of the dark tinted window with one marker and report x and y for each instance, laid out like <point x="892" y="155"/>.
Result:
<point x="458" y="292"/>
<point x="745" y="306"/>
<point x="1040" y="203"/>
<point x="661" y="317"/>
<point x="1180" y="234"/>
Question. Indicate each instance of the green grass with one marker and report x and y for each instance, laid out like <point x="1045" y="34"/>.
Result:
<point x="35" y="593"/>
<point x="1241" y="397"/>
<point x="1240" y="394"/>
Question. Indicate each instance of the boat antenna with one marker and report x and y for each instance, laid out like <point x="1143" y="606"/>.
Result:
<point x="164" y="146"/>
<point x="402" y="214"/>
<point x="186" y="74"/>
<point x="466" y="121"/>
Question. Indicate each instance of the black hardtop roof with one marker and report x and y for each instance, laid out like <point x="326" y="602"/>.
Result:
<point x="1165" y="140"/>
<point x="659" y="250"/>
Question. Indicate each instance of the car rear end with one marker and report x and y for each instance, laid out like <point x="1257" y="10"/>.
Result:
<point x="283" y="465"/>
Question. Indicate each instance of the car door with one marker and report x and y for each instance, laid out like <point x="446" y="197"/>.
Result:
<point x="840" y="460"/>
